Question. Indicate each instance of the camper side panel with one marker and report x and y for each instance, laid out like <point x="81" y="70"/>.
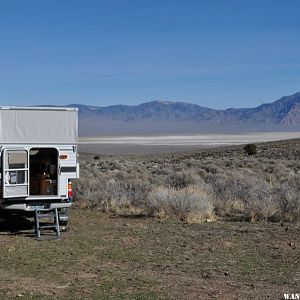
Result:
<point x="68" y="168"/>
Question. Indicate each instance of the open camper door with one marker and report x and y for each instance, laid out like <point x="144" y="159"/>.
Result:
<point x="15" y="173"/>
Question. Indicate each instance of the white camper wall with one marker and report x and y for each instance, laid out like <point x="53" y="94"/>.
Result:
<point x="68" y="168"/>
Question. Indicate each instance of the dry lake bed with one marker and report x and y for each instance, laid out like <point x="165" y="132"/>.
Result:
<point x="169" y="143"/>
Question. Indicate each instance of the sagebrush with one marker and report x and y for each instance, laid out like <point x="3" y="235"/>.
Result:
<point x="199" y="185"/>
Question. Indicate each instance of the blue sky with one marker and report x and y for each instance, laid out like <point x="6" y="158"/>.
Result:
<point x="216" y="53"/>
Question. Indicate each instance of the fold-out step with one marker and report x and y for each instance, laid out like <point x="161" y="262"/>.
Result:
<point x="48" y="227"/>
<point x="42" y="214"/>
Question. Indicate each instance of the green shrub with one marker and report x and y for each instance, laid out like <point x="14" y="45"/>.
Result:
<point x="250" y="149"/>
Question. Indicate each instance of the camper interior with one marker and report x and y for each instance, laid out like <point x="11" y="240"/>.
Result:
<point x="43" y="171"/>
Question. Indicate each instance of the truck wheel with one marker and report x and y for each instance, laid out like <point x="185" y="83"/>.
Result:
<point x="64" y="219"/>
<point x="63" y="225"/>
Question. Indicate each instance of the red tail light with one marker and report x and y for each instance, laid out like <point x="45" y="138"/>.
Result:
<point x="70" y="191"/>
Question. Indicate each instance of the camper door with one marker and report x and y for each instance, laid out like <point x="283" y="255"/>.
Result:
<point x="15" y="173"/>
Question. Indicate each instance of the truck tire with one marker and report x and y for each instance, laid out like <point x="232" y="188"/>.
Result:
<point x="64" y="219"/>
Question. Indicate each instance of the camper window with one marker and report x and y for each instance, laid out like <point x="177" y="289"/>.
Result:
<point x="14" y="161"/>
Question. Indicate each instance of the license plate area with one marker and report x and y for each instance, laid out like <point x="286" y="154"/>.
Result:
<point x="35" y="206"/>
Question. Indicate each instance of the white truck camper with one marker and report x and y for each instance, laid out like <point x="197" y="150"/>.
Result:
<point x="39" y="158"/>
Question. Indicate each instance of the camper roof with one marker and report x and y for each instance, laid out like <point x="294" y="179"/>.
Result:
<point x="40" y="108"/>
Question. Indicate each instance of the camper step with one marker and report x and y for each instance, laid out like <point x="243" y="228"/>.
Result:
<point x="39" y="227"/>
<point x="47" y="227"/>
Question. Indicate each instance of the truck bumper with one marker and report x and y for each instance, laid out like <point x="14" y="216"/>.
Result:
<point x="33" y="207"/>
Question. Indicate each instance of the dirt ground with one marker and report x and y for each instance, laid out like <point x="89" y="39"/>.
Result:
<point x="113" y="257"/>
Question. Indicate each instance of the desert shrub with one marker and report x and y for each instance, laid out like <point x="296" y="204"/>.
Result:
<point x="288" y="198"/>
<point x="250" y="149"/>
<point x="96" y="157"/>
<point x="239" y="187"/>
<point x="212" y="167"/>
<point x="108" y="194"/>
<point x="182" y="179"/>
<point x="244" y="196"/>
<point x="137" y="192"/>
<point x="190" y="204"/>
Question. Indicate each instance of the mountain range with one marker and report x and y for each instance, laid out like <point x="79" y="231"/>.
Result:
<point x="163" y="117"/>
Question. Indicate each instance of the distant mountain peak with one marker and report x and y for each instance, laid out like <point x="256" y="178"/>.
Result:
<point x="284" y="112"/>
<point x="159" y="102"/>
<point x="165" y="102"/>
